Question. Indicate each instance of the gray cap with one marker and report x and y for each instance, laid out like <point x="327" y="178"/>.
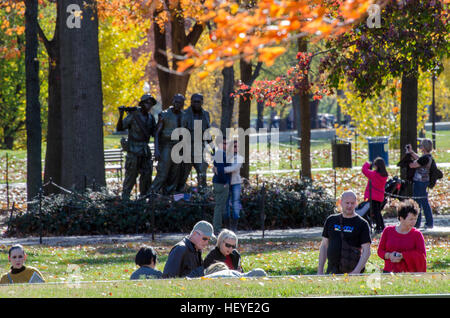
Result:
<point x="205" y="227"/>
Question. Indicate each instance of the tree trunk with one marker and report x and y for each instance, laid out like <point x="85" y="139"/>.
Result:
<point x="314" y="106"/>
<point x="8" y="142"/>
<point x="171" y="83"/>
<point x="244" y="114"/>
<point x="260" y="118"/>
<point x="305" y="124"/>
<point x="296" y="109"/>
<point x="305" y="142"/>
<point x="408" y="115"/>
<point x="33" y="111"/>
<point x="247" y="77"/>
<point x="338" y="107"/>
<point x="53" y="154"/>
<point x="227" y="100"/>
<point x="81" y="99"/>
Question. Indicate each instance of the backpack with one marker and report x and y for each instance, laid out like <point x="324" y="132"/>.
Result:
<point x="435" y="174"/>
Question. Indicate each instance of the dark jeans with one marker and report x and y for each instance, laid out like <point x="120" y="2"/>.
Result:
<point x="377" y="217"/>
<point x="420" y="190"/>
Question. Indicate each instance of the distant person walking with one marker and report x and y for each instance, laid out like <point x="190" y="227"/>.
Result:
<point x="377" y="175"/>
<point x="345" y="240"/>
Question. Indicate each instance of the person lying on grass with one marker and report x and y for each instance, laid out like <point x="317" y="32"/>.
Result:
<point x="20" y="273"/>
<point x="220" y="269"/>
<point x="146" y="260"/>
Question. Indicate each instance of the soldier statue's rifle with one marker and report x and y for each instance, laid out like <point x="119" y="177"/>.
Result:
<point x="128" y="108"/>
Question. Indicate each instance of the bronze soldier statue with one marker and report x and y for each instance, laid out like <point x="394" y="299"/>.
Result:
<point x="141" y="125"/>
<point x="193" y="113"/>
<point x="167" y="171"/>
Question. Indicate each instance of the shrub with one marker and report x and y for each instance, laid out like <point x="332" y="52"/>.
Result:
<point x="288" y="203"/>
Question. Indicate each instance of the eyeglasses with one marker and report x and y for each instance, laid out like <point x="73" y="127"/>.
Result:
<point x="204" y="238"/>
<point x="229" y="245"/>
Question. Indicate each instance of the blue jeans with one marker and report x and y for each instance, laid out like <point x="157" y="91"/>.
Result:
<point x="234" y="201"/>
<point x="420" y="190"/>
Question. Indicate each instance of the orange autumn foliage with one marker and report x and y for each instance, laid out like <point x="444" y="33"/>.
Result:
<point x="261" y="31"/>
<point x="243" y="29"/>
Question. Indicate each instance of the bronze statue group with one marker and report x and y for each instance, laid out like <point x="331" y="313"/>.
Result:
<point x="170" y="176"/>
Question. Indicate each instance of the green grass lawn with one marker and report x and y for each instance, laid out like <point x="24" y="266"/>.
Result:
<point x="71" y="272"/>
<point x="295" y="286"/>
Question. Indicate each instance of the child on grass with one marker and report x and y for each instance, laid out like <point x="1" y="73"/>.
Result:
<point x="146" y="260"/>
<point x="20" y="273"/>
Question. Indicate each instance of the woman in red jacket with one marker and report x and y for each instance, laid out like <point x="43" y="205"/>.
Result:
<point x="402" y="246"/>
<point x="375" y="189"/>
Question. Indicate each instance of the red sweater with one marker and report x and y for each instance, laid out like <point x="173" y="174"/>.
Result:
<point x="411" y="245"/>
<point x="378" y="183"/>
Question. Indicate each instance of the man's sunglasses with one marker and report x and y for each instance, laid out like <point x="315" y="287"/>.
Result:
<point x="204" y="238"/>
<point x="229" y="245"/>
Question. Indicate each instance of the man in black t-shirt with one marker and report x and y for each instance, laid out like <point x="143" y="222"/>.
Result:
<point x="356" y="233"/>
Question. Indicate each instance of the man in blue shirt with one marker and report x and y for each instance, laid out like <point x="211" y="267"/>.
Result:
<point x="221" y="184"/>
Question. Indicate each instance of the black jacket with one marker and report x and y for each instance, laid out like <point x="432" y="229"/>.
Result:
<point x="404" y="164"/>
<point x="216" y="256"/>
<point x="184" y="261"/>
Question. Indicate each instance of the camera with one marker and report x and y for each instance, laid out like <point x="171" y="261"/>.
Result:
<point x="396" y="254"/>
<point x="127" y="108"/>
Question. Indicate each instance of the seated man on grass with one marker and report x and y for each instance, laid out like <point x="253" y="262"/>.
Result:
<point x="20" y="273"/>
<point x="185" y="258"/>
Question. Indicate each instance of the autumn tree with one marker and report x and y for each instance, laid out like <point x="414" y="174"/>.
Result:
<point x="74" y="157"/>
<point x="412" y="37"/>
<point x="12" y="73"/>
<point x="260" y="31"/>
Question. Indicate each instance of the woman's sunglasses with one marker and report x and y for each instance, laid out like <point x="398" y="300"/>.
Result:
<point x="229" y="245"/>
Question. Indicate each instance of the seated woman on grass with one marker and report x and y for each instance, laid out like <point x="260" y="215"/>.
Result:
<point x="20" y="273"/>
<point x="225" y="251"/>
<point x="146" y="260"/>
<point x="402" y="247"/>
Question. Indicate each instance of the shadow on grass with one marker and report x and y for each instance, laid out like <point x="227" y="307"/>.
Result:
<point x="122" y="259"/>
<point x="438" y="266"/>
<point x="294" y="271"/>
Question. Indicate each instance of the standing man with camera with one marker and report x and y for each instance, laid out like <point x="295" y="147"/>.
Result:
<point x="141" y="125"/>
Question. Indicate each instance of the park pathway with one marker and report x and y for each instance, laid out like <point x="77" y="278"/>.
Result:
<point x="441" y="228"/>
